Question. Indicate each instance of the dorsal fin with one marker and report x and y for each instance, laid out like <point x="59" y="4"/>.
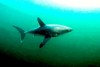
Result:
<point x="41" y="23"/>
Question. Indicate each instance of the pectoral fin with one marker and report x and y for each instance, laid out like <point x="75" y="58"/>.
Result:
<point x="44" y="41"/>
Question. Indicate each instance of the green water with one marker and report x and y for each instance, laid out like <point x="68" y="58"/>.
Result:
<point x="81" y="47"/>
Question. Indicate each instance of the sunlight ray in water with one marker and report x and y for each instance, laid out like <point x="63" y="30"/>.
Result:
<point x="82" y="5"/>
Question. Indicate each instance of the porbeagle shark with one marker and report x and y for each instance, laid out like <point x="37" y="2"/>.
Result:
<point x="48" y="31"/>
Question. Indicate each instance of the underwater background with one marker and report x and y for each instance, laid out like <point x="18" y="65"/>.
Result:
<point x="79" y="48"/>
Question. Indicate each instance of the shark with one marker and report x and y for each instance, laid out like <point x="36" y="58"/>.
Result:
<point x="47" y="30"/>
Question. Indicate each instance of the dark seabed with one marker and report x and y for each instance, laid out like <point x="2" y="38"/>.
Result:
<point x="79" y="48"/>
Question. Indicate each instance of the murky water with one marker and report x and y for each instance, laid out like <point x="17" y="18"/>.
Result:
<point x="81" y="47"/>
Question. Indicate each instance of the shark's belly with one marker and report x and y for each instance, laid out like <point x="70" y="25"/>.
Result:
<point x="47" y="30"/>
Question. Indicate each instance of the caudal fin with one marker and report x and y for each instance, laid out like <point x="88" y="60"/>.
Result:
<point x="21" y="31"/>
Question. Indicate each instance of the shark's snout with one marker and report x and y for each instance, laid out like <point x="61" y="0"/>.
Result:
<point x="70" y="29"/>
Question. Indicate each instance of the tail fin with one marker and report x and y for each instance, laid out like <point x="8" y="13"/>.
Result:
<point x="21" y="31"/>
